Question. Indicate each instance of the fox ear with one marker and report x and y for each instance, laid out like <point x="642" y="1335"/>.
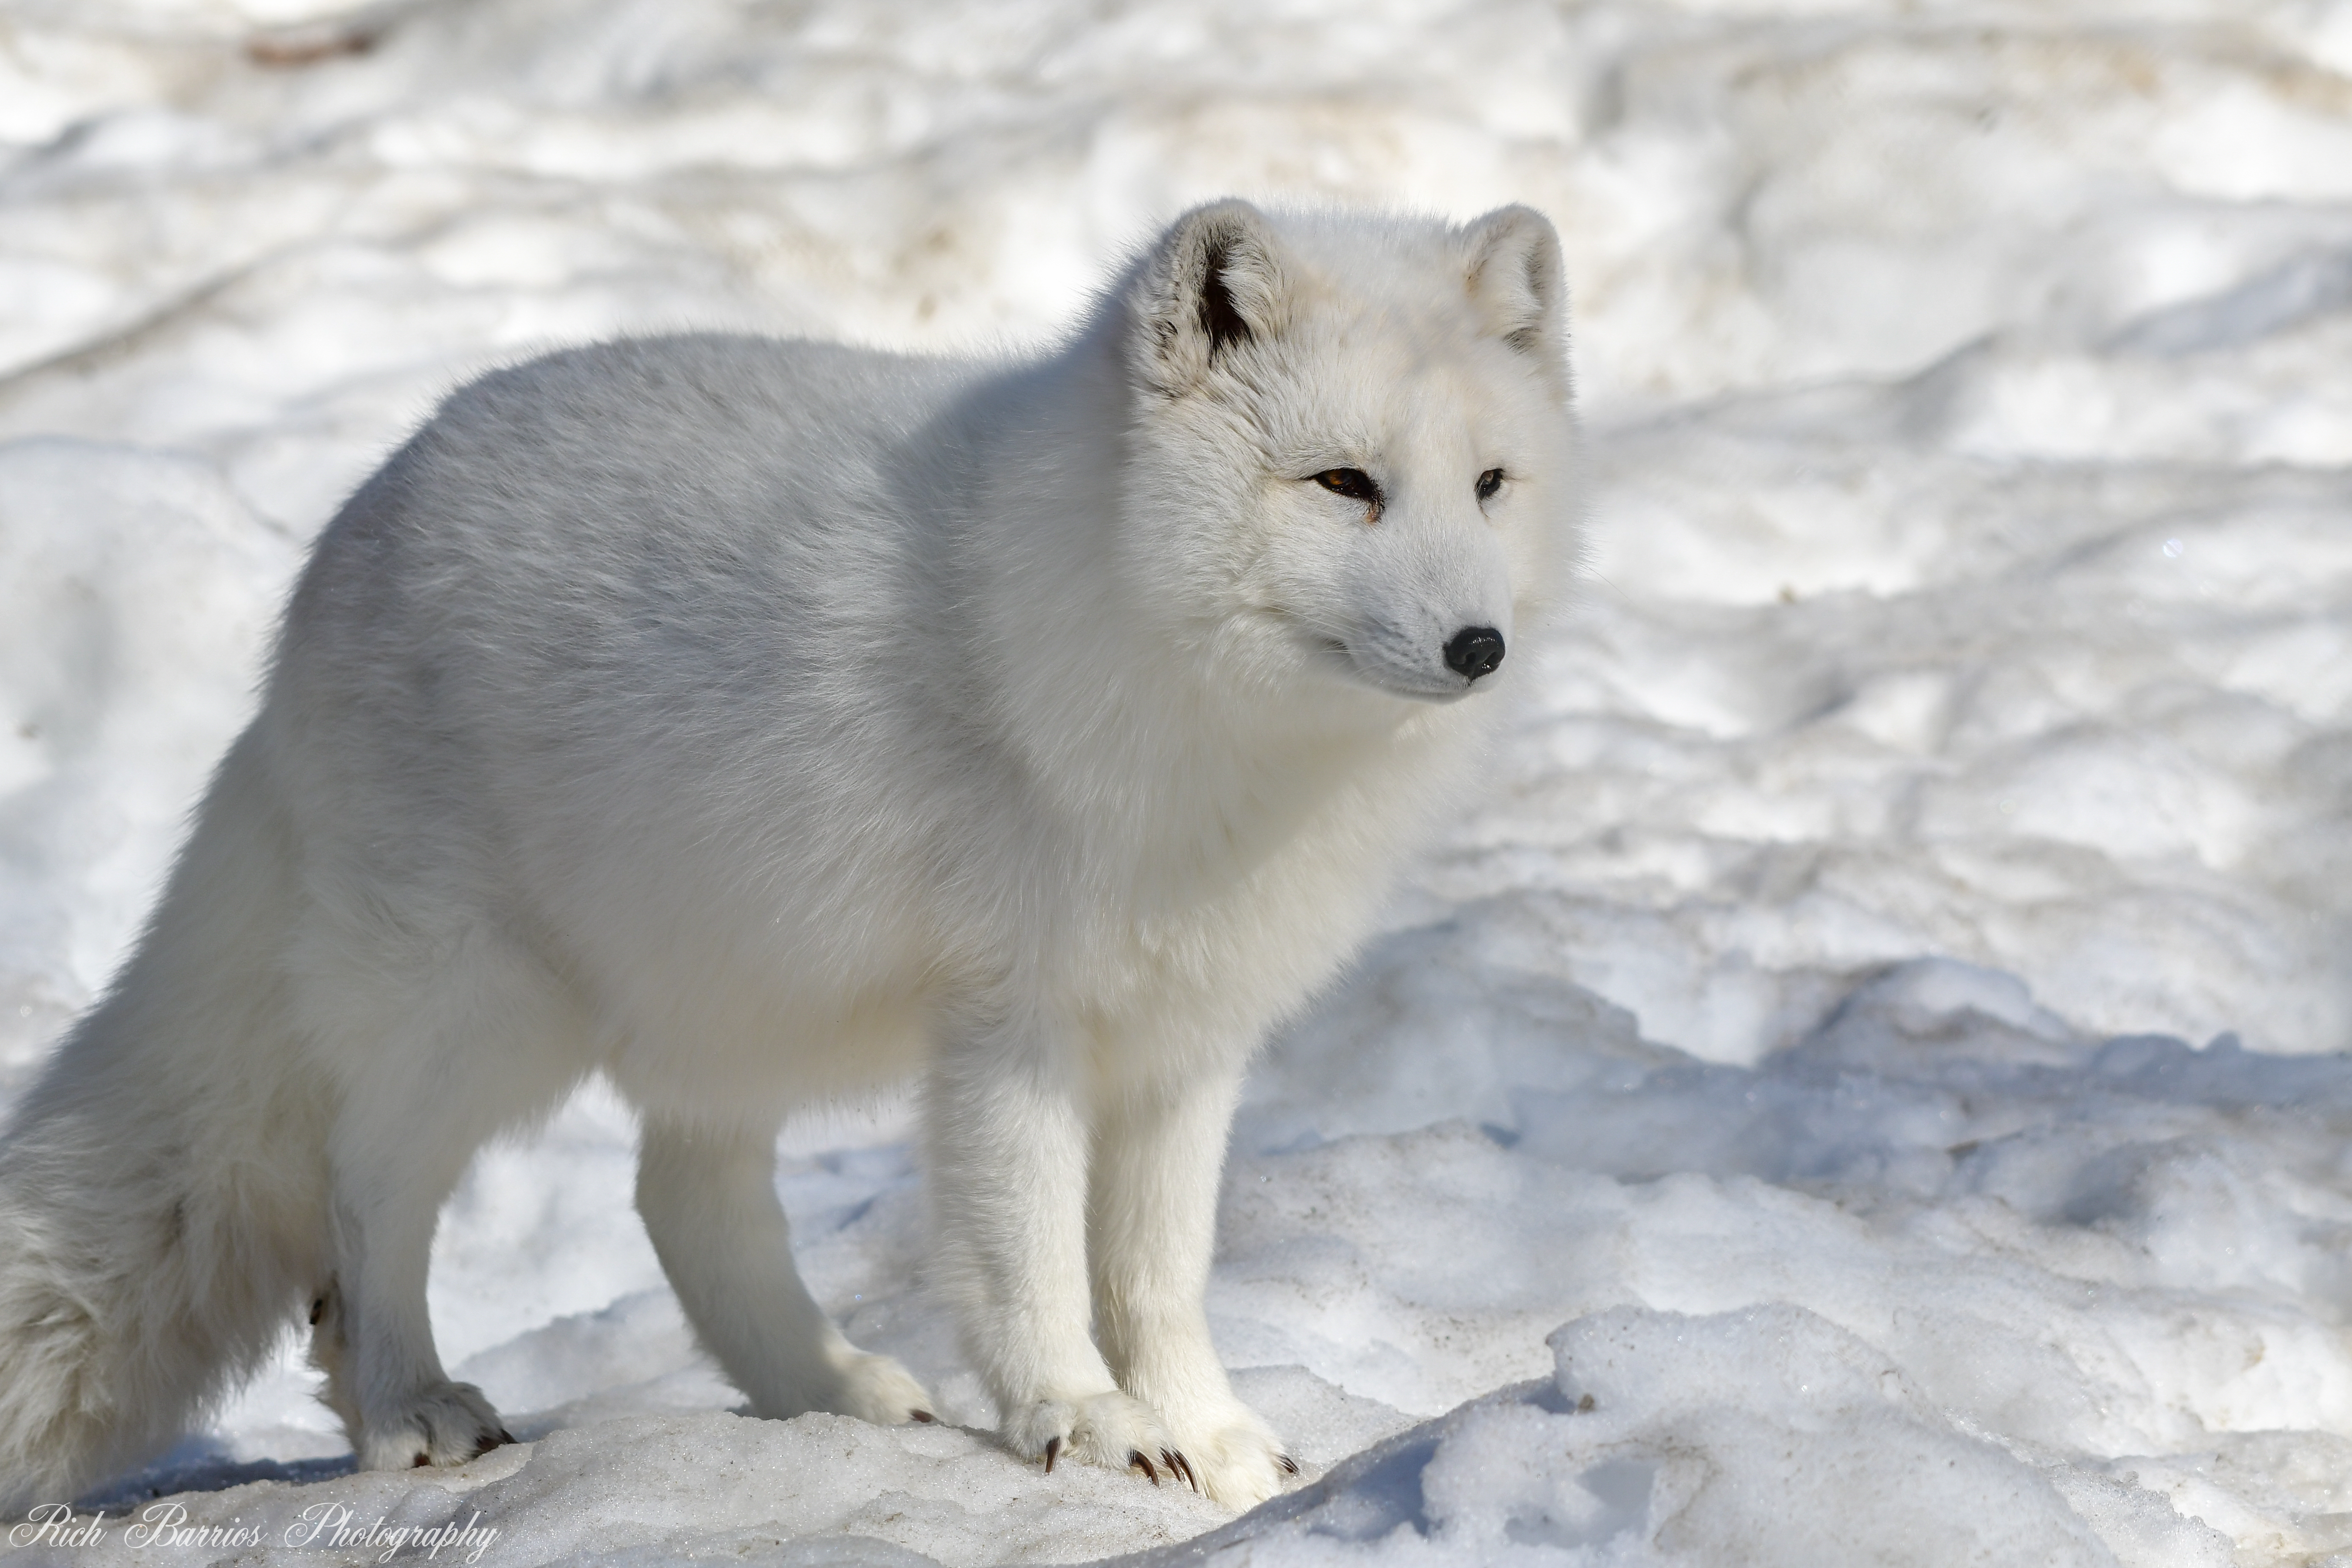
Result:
<point x="1512" y="257"/>
<point x="1215" y="283"/>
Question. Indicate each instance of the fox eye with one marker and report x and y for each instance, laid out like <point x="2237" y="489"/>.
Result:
<point x="1353" y="483"/>
<point x="1489" y="483"/>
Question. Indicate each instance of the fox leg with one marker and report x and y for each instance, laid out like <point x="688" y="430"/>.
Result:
<point x="1009" y="1134"/>
<point x="708" y="1196"/>
<point x="370" y="1329"/>
<point x="425" y="1070"/>
<point x="1159" y="1155"/>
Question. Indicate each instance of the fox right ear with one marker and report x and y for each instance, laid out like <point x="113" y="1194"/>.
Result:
<point x="1512" y="260"/>
<point x="1214" y="284"/>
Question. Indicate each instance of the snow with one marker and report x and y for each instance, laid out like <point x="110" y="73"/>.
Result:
<point x="1875" y="1041"/>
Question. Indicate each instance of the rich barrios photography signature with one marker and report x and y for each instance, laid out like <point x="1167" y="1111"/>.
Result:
<point x="331" y="1526"/>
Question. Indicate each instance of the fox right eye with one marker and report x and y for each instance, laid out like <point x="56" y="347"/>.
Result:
<point x="1353" y="483"/>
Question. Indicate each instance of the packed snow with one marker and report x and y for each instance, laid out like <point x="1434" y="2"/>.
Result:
<point x="1864" y="1084"/>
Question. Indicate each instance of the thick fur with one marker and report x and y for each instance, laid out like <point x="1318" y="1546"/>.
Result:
<point x="757" y="722"/>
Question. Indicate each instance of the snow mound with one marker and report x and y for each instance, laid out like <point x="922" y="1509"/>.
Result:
<point x="1768" y="1436"/>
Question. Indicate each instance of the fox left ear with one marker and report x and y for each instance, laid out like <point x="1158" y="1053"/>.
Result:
<point x="1512" y="260"/>
<point x="1215" y="283"/>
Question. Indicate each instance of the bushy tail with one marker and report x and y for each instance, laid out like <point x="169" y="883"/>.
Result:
<point x="161" y="1185"/>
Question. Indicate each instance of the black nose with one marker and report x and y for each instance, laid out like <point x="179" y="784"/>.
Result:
<point x="1475" y="651"/>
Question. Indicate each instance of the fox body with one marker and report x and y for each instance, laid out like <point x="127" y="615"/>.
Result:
<point x="758" y="722"/>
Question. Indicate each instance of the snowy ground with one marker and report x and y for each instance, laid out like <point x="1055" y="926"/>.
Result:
<point x="1796" y="1089"/>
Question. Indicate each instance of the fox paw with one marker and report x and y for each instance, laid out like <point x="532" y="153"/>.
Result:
<point x="1114" y="1430"/>
<point x="877" y="1389"/>
<point x="1236" y="1458"/>
<point x="444" y="1424"/>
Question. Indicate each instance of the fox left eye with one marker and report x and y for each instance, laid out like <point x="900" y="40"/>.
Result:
<point x="1489" y="483"/>
<point x="1353" y="483"/>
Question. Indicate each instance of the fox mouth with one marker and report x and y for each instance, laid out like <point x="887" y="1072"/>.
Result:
<point x="1360" y="667"/>
<point x="1354" y="661"/>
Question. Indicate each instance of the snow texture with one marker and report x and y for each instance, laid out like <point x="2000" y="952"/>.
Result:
<point x="1861" y="1087"/>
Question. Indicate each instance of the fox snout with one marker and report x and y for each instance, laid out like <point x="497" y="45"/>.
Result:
<point x="1475" y="651"/>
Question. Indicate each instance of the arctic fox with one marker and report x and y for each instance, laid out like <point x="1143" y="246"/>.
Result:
<point x="756" y="723"/>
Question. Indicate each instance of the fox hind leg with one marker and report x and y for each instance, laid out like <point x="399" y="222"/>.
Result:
<point x="707" y="1196"/>
<point x="372" y="1336"/>
<point x="484" y="1041"/>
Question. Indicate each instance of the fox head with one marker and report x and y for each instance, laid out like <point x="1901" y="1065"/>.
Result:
<point x="1351" y="454"/>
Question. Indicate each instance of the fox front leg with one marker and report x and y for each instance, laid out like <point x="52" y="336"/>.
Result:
<point x="1009" y="1138"/>
<point x="1159" y="1155"/>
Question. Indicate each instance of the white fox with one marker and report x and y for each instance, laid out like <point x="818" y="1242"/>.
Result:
<point x="757" y="722"/>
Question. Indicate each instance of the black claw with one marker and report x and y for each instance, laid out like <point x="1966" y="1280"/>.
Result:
<point x="1180" y="1466"/>
<point x="419" y="1462"/>
<point x="1135" y="1457"/>
<point x="1289" y="1465"/>
<point x="925" y="1416"/>
<point x="498" y="1439"/>
<point x="1053" y="1452"/>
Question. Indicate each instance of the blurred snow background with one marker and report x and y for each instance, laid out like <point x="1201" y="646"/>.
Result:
<point x="1816" y="1027"/>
